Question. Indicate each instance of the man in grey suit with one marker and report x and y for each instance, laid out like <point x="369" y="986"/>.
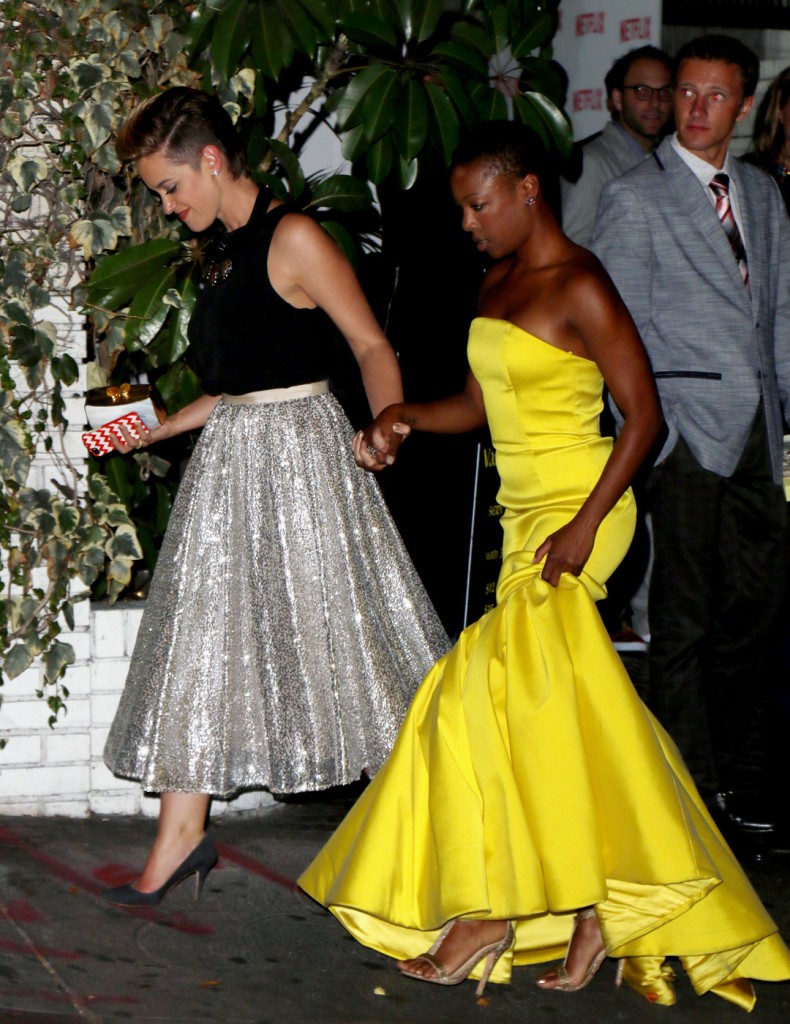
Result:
<point x="698" y="244"/>
<point x="639" y="93"/>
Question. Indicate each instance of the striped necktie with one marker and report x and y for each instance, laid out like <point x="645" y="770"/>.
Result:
<point x="720" y="183"/>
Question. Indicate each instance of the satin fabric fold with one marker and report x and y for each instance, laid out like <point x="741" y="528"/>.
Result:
<point x="528" y="779"/>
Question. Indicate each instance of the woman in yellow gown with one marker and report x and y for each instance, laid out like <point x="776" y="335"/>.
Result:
<point x="531" y="800"/>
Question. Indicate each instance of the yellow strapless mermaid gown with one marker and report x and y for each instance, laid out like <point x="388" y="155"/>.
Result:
<point x="528" y="779"/>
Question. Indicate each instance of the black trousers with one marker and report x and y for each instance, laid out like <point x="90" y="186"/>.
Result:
<point x="716" y="589"/>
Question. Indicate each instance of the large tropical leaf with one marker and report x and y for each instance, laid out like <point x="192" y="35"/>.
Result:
<point x="407" y="172"/>
<point x="379" y="159"/>
<point x="445" y="122"/>
<point x="490" y="104"/>
<point x="121" y="274"/>
<point x="379" y="105"/>
<point x="342" y="192"/>
<point x="474" y="35"/>
<point x="536" y="34"/>
<point x="463" y="57"/>
<point x="289" y="162"/>
<point x="410" y="123"/>
<point x="231" y="37"/>
<point x="148" y="311"/>
<point x="301" y="27"/>
<point x="267" y="40"/>
<point x="323" y="15"/>
<point x="368" y="30"/>
<point x="458" y="91"/>
<point x="537" y="110"/>
<point x="350" y="106"/>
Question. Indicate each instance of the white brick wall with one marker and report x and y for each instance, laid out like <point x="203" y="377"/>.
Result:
<point x="60" y="771"/>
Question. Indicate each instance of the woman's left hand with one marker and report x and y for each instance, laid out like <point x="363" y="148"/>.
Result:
<point x="566" y="550"/>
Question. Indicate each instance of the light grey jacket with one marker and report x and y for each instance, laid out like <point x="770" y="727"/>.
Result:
<point x="715" y="345"/>
<point x="606" y="156"/>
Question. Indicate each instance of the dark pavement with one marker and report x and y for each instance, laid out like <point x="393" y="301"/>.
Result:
<point x="255" y="950"/>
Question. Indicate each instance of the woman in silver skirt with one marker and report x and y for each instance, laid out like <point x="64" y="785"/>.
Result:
<point x="286" y="629"/>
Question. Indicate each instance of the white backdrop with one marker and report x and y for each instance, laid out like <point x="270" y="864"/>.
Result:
<point x="592" y="34"/>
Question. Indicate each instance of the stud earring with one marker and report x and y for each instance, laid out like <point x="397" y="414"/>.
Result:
<point x="530" y="201"/>
<point x="214" y="173"/>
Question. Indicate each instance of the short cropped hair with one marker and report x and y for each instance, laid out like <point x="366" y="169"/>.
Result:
<point x="179" y="123"/>
<point x="508" y="147"/>
<point x="727" y="50"/>
<point x="615" y="76"/>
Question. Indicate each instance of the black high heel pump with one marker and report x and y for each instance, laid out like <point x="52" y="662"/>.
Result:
<point x="198" y="863"/>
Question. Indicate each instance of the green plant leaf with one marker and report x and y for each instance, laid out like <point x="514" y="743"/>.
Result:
<point x="473" y="35"/>
<point x="179" y="323"/>
<point x="17" y="660"/>
<point x="533" y="105"/>
<point x="123" y="543"/>
<point x="267" y="39"/>
<point x="289" y="162"/>
<point x="95" y="233"/>
<point x="231" y="37"/>
<point x="463" y="57"/>
<point x="490" y="104"/>
<point x="302" y="28"/>
<point x="342" y="192"/>
<point x="379" y="105"/>
<point x="27" y="171"/>
<point x="456" y="89"/>
<point x="379" y="159"/>
<point x="178" y="386"/>
<point x="368" y="30"/>
<point x="322" y="15"/>
<point x="343" y="239"/>
<point x="426" y="18"/>
<point x="499" y="23"/>
<point x="148" y="312"/>
<point x="122" y="273"/>
<point x="407" y="172"/>
<point x="536" y="34"/>
<point x="86" y="74"/>
<point x="353" y="143"/>
<point x="350" y="107"/>
<point x="410" y="123"/>
<point x="57" y="658"/>
<point x="200" y="22"/>
<point x="446" y="130"/>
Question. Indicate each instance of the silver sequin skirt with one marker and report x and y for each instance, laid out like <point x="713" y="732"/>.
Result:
<point x="286" y="628"/>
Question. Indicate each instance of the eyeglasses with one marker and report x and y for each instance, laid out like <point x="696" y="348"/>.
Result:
<point x="645" y="92"/>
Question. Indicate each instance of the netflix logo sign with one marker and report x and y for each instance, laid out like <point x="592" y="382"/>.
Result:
<point x="634" y="28"/>
<point x="591" y="23"/>
<point x="588" y="99"/>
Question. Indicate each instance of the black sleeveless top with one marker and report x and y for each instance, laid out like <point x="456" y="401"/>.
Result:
<point x="244" y="336"/>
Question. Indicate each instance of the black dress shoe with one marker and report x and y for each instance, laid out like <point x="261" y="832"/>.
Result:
<point x="198" y="863"/>
<point x="734" y="811"/>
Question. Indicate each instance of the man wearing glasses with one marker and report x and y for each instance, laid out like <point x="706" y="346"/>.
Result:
<point x="639" y="94"/>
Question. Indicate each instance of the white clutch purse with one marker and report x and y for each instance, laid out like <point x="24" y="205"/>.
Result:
<point x="105" y="404"/>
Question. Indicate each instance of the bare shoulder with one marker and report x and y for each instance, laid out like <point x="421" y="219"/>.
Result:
<point x="296" y="230"/>
<point x="583" y="284"/>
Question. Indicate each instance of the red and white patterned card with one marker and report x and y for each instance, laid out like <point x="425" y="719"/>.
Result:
<point x="98" y="441"/>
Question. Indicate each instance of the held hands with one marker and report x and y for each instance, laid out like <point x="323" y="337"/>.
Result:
<point x="377" y="445"/>
<point x="565" y="550"/>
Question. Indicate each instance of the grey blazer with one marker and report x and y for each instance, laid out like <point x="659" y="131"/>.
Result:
<point x="605" y="157"/>
<point x="715" y="345"/>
